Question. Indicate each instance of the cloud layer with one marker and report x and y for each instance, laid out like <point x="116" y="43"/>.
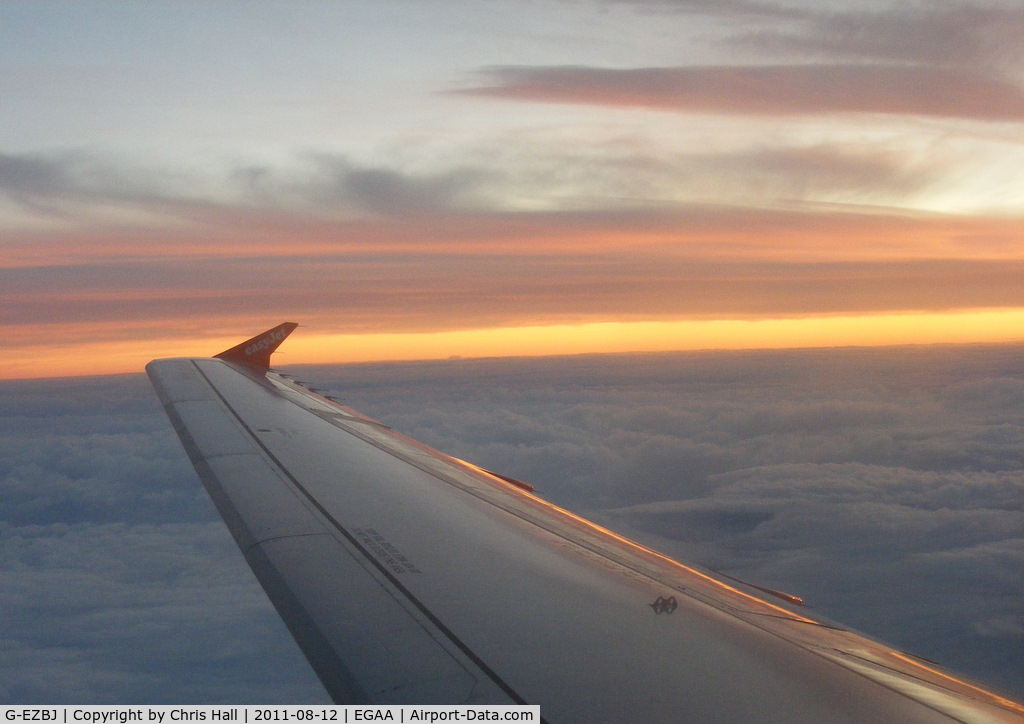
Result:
<point x="881" y="486"/>
<point x="950" y="60"/>
<point x="351" y="248"/>
<point x="121" y="583"/>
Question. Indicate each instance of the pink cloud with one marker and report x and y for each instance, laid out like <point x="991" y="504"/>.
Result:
<point x="771" y="90"/>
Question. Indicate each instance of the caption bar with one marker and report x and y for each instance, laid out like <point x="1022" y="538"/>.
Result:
<point x="167" y="714"/>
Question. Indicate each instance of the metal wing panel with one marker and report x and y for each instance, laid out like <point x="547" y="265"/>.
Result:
<point x="389" y="655"/>
<point x="423" y="579"/>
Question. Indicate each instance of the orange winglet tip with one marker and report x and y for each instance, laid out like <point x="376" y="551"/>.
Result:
<point x="256" y="351"/>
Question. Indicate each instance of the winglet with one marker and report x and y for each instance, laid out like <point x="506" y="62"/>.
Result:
<point x="257" y="351"/>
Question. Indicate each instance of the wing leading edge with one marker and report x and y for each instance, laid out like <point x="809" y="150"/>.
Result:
<point x="408" y="576"/>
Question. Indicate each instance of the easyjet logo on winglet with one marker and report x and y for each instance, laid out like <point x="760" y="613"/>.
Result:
<point x="265" y="342"/>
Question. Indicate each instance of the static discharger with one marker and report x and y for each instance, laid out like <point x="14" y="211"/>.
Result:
<point x="790" y="598"/>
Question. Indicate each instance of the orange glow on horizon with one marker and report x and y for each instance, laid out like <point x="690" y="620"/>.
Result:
<point x="306" y="346"/>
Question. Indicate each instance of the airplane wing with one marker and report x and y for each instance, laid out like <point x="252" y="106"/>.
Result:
<point x="408" y="576"/>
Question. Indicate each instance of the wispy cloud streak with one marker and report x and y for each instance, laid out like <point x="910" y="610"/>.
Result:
<point x="354" y="248"/>
<point x="981" y="37"/>
<point x="766" y="90"/>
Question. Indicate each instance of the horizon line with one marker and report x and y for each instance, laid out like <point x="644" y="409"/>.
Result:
<point x="117" y="357"/>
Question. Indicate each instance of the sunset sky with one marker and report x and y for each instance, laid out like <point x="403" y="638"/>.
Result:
<point x="430" y="179"/>
<point x="433" y="178"/>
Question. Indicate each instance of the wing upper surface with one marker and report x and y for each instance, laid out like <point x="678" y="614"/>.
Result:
<point x="408" y="576"/>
